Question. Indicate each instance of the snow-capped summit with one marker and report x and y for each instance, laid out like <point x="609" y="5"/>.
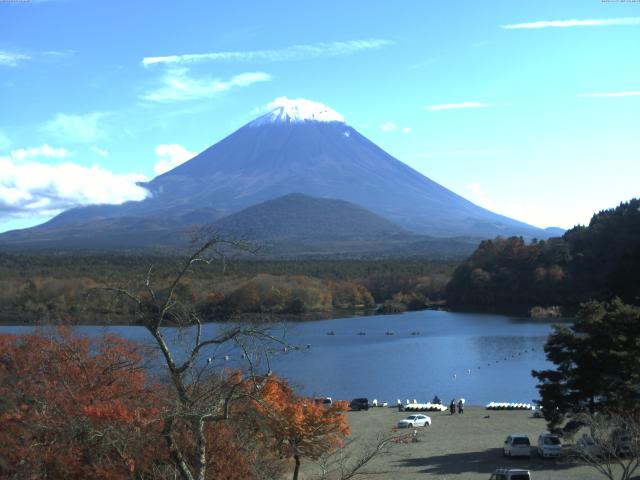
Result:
<point x="286" y="110"/>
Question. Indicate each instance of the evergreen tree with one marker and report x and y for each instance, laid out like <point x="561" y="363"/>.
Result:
<point x="597" y="363"/>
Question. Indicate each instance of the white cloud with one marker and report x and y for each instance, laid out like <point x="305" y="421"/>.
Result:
<point x="85" y="128"/>
<point x="171" y="155"/>
<point x="388" y="127"/>
<point x="452" y="106"/>
<point x="295" y="52"/>
<point x="37" y="188"/>
<point x="406" y="130"/>
<point x="44" y="151"/>
<point x="9" y="59"/>
<point x="612" y="94"/>
<point x="103" y="152"/>
<point x="178" y="85"/>
<point x="477" y="196"/>
<point x="602" y="22"/>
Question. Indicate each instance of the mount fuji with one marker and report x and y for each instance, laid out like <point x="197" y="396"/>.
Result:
<point x="299" y="147"/>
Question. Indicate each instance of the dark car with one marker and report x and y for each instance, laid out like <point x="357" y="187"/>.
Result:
<point x="359" y="404"/>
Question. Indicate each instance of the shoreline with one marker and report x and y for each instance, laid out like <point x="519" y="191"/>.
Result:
<point x="13" y="320"/>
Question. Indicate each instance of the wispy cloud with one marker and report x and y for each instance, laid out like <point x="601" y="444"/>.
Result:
<point x="178" y="85"/>
<point x="36" y="188"/>
<point x="170" y="156"/>
<point x="388" y="127"/>
<point x="103" y="152"/>
<point x="294" y="52"/>
<point x="452" y="106"/>
<point x="59" y="54"/>
<point x="43" y="151"/>
<point x="612" y="94"/>
<point x="85" y="128"/>
<point x="406" y="130"/>
<point x="601" y="22"/>
<point x="10" y="59"/>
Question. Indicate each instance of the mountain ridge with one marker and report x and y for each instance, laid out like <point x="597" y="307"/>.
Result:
<point x="296" y="148"/>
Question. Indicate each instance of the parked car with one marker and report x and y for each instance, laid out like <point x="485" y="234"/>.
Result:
<point x="549" y="445"/>
<point x="586" y="447"/>
<point x="510" y="474"/>
<point x="359" y="404"/>
<point x="415" y="421"/>
<point x="326" y="401"/>
<point x="517" y="445"/>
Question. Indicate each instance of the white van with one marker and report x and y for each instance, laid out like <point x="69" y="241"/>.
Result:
<point x="511" y="474"/>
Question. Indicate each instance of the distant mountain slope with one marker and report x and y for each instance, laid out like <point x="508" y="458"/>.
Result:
<point x="292" y="226"/>
<point x="297" y="225"/>
<point x="303" y="217"/>
<point x="300" y="147"/>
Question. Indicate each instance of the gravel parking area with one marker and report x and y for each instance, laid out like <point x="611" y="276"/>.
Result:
<point x="467" y="446"/>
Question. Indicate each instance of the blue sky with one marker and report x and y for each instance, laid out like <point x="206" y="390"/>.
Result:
<point x="529" y="109"/>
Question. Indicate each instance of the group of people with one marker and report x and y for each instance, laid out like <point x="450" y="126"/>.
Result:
<point x="452" y="406"/>
<point x="460" y="405"/>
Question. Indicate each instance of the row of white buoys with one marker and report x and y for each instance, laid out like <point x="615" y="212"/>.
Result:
<point x="388" y="332"/>
<point x="509" y="406"/>
<point x="226" y="359"/>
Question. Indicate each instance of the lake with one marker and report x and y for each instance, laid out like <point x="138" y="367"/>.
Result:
<point x="479" y="357"/>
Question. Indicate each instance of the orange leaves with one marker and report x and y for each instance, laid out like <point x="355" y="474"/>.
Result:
<point x="110" y="412"/>
<point x="72" y="406"/>
<point x="299" y="425"/>
<point x="341" y="405"/>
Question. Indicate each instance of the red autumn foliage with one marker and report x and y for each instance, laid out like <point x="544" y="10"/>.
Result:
<point x="300" y="426"/>
<point x="74" y="408"/>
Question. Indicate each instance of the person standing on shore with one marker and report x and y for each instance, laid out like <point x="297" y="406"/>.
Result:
<point x="460" y="407"/>
<point x="452" y="406"/>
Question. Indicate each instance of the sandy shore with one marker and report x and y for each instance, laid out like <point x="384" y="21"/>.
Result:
<point x="467" y="446"/>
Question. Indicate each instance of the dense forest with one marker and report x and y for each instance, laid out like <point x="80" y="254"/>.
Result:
<point x="76" y="288"/>
<point x="599" y="261"/>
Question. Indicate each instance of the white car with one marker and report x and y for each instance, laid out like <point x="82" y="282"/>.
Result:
<point x="511" y="474"/>
<point x="415" y="421"/>
<point x="517" y="445"/>
<point x="549" y="445"/>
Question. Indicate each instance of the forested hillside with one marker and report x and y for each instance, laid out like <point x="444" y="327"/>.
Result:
<point x="56" y="288"/>
<point x="599" y="261"/>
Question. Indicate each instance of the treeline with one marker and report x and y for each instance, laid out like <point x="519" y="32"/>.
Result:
<point x="599" y="261"/>
<point x="54" y="288"/>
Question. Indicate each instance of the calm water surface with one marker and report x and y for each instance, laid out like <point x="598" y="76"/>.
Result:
<point x="481" y="357"/>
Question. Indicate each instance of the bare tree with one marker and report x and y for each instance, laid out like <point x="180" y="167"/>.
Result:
<point x="202" y="393"/>
<point x="354" y="457"/>
<point x="612" y="444"/>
